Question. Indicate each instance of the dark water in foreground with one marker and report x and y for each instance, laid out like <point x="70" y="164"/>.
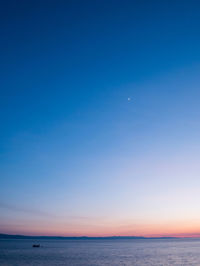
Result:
<point x="100" y="252"/>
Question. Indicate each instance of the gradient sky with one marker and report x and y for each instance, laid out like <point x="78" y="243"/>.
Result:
<point x="77" y="157"/>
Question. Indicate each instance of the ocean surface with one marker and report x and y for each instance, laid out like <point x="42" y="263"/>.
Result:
<point x="100" y="252"/>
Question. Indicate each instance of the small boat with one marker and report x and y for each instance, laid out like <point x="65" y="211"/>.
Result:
<point x="36" y="246"/>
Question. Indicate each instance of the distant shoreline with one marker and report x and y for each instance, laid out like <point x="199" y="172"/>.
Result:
<point x="8" y="236"/>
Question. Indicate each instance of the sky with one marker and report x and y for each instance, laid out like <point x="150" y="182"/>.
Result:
<point x="99" y="118"/>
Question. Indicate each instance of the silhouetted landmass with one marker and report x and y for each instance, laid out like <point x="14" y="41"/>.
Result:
<point x="6" y="236"/>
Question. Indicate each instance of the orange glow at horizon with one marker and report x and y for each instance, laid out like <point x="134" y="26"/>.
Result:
<point x="170" y="229"/>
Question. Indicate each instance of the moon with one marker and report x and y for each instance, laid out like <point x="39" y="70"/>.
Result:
<point x="129" y="99"/>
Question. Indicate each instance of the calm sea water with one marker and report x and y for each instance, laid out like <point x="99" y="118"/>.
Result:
<point x="100" y="252"/>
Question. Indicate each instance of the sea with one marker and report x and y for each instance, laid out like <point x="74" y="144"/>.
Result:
<point x="98" y="252"/>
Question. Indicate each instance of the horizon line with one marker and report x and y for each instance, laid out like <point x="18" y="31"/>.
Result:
<point x="93" y="237"/>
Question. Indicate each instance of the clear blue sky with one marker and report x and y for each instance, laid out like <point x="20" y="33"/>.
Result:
<point x="76" y="156"/>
